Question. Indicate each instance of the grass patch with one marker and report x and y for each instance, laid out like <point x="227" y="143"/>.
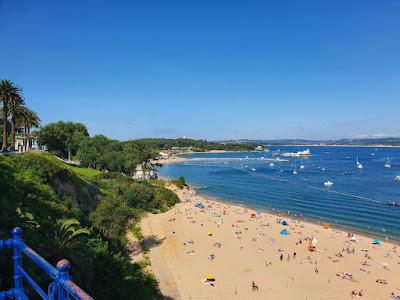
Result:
<point x="86" y="172"/>
<point x="136" y="231"/>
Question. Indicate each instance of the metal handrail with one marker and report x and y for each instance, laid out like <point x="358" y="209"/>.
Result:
<point x="60" y="289"/>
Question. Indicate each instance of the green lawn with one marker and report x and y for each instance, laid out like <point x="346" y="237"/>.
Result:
<point x="85" y="171"/>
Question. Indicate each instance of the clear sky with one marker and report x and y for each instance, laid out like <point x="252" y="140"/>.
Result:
<point x="208" y="69"/>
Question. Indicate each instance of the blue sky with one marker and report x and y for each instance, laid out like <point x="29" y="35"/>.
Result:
<point x="208" y="69"/>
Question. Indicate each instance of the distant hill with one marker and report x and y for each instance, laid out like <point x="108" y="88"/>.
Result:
<point x="389" y="141"/>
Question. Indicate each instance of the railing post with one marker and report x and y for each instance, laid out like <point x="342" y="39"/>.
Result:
<point x="17" y="258"/>
<point x="63" y="267"/>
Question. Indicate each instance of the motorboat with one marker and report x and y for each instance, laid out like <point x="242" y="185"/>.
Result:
<point x="328" y="183"/>
<point x="253" y="169"/>
<point x="294" y="169"/>
<point x="271" y="164"/>
<point x="347" y="173"/>
<point x="393" y="203"/>
<point x="388" y="164"/>
<point x="397" y="178"/>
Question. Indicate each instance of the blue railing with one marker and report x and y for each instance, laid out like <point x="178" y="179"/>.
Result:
<point x="62" y="288"/>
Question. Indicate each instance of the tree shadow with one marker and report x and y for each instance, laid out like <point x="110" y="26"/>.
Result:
<point x="152" y="241"/>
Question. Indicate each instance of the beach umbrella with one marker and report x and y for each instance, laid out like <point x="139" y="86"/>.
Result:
<point x="253" y="215"/>
<point x="284" y="223"/>
<point x="209" y="277"/>
<point x="210" y="233"/>
<point x="327" y="226"/>
<point x="376" y="242"/>
<point x="284" y="232"/>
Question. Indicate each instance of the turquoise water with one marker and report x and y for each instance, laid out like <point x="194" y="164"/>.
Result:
<point x="356" y="201"/>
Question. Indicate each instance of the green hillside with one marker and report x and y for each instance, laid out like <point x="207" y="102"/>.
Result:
<point x="81" y="215"/>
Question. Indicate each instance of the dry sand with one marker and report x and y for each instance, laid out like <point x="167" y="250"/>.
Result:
<point x="250" y="251"/>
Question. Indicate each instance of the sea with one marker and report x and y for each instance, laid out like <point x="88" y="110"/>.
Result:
<point x="357" y="200"/>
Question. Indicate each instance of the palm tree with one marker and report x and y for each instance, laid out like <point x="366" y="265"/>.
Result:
<point x="14" y="106"/>
<point x="26" y="118"/>
<point x="9" y="94"/>
<point x="69" y="241"/>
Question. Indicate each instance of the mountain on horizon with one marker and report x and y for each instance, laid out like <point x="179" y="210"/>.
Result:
<point x="388" y="141"/>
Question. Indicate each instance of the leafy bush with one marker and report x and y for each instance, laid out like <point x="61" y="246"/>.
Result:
<point x="38" y="193"/>
<point x="180" y="182"/>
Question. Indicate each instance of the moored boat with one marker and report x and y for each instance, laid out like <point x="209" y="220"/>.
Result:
<point x="359" y="165"/>
<point x="393" y="203"/>
<point x="302" y="167"/>
<point x="328" y="183"/>
<point x="388" y="164"/>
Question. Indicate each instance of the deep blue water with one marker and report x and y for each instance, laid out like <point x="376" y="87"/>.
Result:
<point x="356" y="201"/>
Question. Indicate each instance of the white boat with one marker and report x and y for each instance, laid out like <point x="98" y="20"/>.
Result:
<point x="397" y="178"/>
<point x="271" y="164"/>
<point x="304" y="153"/>
<point x="294" y="169"/>
<point x="359" y="165"/>
<point x="253" y="169"/>
<point x="328" y="183"/>
<point x="302" y="167"/>
<point x="388" y="164"/>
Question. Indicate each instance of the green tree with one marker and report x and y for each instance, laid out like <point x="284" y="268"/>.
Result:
<point x="63" y="138"/>
<point x="10" y="95"/>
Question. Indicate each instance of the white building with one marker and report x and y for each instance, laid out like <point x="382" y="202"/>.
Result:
<point x="165" y="154"/>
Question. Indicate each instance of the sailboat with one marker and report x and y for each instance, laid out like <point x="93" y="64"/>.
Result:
<point x="294" y="169"/>
<point x="301" y="165"/>
<point x="359" y="165"/>
<point x="388" y="164"/>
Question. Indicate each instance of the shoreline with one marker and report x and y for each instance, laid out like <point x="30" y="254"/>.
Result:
<point x="250" y="252"/>
<point x="292" y="216"/>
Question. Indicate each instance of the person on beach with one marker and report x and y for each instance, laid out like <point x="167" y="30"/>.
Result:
<point x="254" y="287"/>
<point x="281" y="257"/>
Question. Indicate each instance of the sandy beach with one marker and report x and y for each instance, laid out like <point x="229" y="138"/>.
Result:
<point x="224" y="251"/>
